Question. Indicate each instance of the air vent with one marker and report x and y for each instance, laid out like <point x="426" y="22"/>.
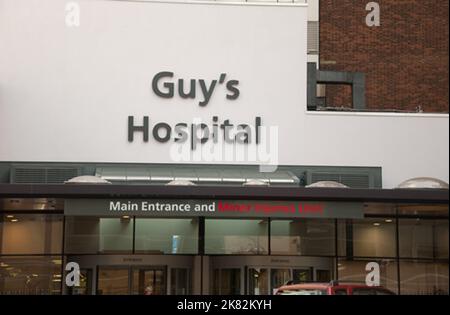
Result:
<point x="60" y="175"/>
<point x="37" y="175"/>
<point x="321" y="177"/>
<point x="350" y="180"/>
<point x="28" y="175"/>
<point x="355" y="181"/>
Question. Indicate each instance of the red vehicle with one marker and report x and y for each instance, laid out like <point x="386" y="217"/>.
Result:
<point x="332" y="288"/>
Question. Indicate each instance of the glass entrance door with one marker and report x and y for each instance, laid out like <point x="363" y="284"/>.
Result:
<point x="279" y="277"/>
<point x="113" y="281"/>
<point x="131" y="280"/>
<point x="263" y="275"/>
<point x="180" y="281"/>
<point x="258" y="281"/>
<point x="148" y="281"/>
<point x="227" y="281"/>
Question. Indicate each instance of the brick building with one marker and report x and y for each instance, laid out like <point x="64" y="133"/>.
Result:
<point x="405" y="59"/>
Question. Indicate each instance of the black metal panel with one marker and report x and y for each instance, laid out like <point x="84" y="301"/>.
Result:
<point x="229" y="192"/>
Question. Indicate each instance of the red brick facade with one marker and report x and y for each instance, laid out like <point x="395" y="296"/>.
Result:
<point x="405" y="59"/>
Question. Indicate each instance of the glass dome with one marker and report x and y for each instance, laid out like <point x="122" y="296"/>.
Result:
<point x="180" y="182"/>
<point x="326" y="184"/>
<point x="255" y="182"/>
<point x="87" y="179"/>
<point x="424" y="182"/>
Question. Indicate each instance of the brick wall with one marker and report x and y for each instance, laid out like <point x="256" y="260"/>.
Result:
<point x="405" y="59"/>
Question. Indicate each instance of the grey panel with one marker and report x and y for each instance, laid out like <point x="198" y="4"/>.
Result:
<point x="185" y="174"/>
<point x="234" y="176"/>
<point x="113" y="174"/>
<point x="138" y="174"/>
<point x="161" y="174"/>
<point x="254" y="175"/>
<point x="209" y="175"/>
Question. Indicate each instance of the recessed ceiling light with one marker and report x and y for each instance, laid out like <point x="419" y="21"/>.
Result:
<point x="10" y="216"/>
<point x="14" y="220"/>
<point x="388" y="220"/>
<point x="376" y="224"/>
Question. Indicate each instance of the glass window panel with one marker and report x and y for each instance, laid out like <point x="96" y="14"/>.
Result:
<point x="226" y="281"/>
<point x="441" y="237"/>
<point x="355" y="271"/>
<point x="180" y="283"/>
<point x="367" y="237"/>
<point x="389" y="209"/>
<point x="230" y="281"/>
<point x="423" y="238"/>
<point x="21" y="275"/>
<point x="88" y="235"/>
<point x="386" y="209"/>
<point x="223" y="236"/>
<point x="31" y="204"/>
<point x="302" y="237"/>
<point x="215" y="283"/>
<point x="167" y="236"/>
<point x="423" y="278"/>
<point x="31" y="234"/>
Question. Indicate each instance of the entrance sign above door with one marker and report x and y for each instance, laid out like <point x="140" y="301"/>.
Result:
<point x="212" y="208"/>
